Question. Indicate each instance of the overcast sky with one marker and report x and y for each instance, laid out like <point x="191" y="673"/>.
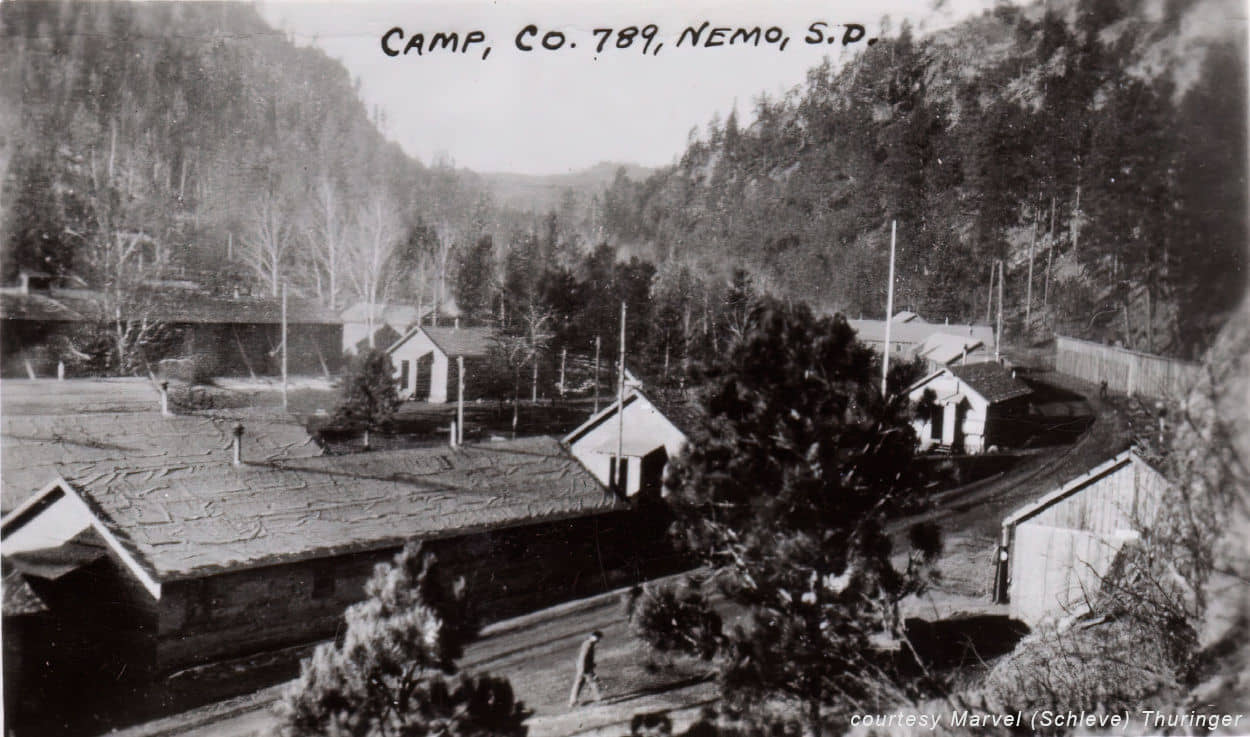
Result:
<point x="544" y="112"/>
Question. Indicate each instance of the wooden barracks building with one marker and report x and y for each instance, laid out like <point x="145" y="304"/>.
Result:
<point x="181" y="578"/>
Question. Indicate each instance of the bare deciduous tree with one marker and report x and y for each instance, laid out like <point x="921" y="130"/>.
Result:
<point x="267" y="239"/>
<point x="376" y="231"/>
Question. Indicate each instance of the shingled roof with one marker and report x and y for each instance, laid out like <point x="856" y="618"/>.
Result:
<point x="991" y="380"/>
<point x="454" y="341"/>
<point x="391" y="312"/>
<point x="173" y="305"/>
<point x="34" y="449"/>
<point x="192" y="520"/>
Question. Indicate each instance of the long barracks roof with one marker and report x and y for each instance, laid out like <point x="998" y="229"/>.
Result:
<point x="915" y="332"/>
<point x="172" y="305"/>
<point x="391" y="312"/>
<point x="36" y="448"/>
<point x="185" y="522"/>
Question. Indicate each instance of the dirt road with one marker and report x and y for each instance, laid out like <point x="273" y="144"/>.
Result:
<point x="536" y="653"/>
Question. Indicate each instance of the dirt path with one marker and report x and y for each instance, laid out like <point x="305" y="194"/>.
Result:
<point x="536" y="653"/>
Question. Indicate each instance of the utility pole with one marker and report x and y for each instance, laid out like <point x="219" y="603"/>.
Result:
<point x="998" y="333"/>
<point x="889" y="313"/>
<point x="1076" y="214"/>
<point x="1050" y="252"/>
<point x="564" y="354"/>
<point x="1028" y="299"/>
<point x="620" y="412"/>
<point x="989" y="296"/>
<point x="596" y="374"/>
<point x="460" y="401"/>
<point x="284" y="346"/>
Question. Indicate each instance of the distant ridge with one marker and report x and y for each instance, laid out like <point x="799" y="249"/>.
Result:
<point x="542" y="192"/>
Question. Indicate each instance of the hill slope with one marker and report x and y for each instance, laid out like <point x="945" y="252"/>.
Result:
<point x="1105" y="136"/>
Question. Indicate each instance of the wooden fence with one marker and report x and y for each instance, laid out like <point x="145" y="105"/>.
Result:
<point x="1126" y="372"/>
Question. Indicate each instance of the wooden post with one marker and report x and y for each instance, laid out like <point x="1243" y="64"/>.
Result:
<point x="564" y="355"/>
<point x="620" y="412"/>
<point x="284" y="402"/>
<point x="596" y="374"/>
<point x="460" y="401"/>
<point x="889" y="313"/>
<point x="998" y="333"/>
<point x="1050" y="251"/>
<point x="1076" y="230"/>
<point x="989" y="295"/>
<point x="1028" y="292"/>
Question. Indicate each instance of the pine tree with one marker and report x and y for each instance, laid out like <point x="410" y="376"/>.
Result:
<point x="394" y="672"/>
<point x="786" y="489"/>
<point x="370" y="396"/>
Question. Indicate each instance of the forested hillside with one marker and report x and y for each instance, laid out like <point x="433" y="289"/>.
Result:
<point x="194" y="137"/>
<point x="1105" y="137"/>
<point x="142" y="143"/>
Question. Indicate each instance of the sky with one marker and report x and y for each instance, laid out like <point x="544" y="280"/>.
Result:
<point x="563" y="110"/>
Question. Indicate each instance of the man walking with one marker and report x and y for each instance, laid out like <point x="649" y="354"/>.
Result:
<point x="586" y="669"/>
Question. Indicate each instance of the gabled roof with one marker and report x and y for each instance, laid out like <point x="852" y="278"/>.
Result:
<point x="1074" y="486"/>
<point x="190" y="521"/>
<point x="991" y="380"/>
<point x="908" y="316"/>
<point x="944" y="348"/>
<point x="917" y="331"/>
<point x="470" y="342"/>
<point x="393" y="313"/>
<point x="680" y="415"/>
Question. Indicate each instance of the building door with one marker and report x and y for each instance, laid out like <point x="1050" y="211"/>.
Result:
<point x="935" y="422"/>
<point x="949" y="421"/>
<point x="957" y="435"/>
<point x="403" y="377"/>
<point x="423" y="378"/>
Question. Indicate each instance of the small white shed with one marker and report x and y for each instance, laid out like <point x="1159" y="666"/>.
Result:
<point x="975" y="406"/>
<point x="1055" y="551"/>
<point x="650" y="438"/>
<point x="425" y="360"/>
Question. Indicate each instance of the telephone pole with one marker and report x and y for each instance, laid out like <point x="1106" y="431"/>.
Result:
<point x="889" y="314"/>
<point x="284" y="405"/>
<point x="620" y="412"/>
<point x="998" y="333"/>
<point x="596" y="374"/>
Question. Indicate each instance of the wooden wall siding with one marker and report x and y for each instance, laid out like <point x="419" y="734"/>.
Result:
<point x="1122" y="501"/>
<point x="1126" y="372"/>
<point x="508" y="572"/>
<point x="1054" y="570"/>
